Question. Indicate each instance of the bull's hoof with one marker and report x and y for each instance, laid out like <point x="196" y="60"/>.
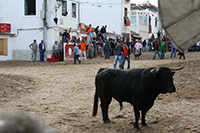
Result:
<point x="137" y="129"/>
<point x="107" y="121"/>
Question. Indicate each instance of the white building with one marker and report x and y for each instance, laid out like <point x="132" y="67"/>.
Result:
<point x="145" y="20"/>
<point x="31" y="19"/>
<point x="107" y="12"/>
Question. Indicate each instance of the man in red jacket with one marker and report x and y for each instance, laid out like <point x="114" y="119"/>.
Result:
<point x="126" y="55"/>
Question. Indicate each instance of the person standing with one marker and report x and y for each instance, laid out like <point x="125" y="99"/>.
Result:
<point x="42" y="49"/>
<point x="138" y="47"/>
<point x="105" y="34"/>
<point x="55" y="48"/>
<point x="156" y="48"/>
<point x="118" y="55"/>
<point x="33" y="47"/>
<point x="163" y="46"/>
<point x="144" y="46"/>
<point x="61" y="48"/>
<point x="100" y="47"/>
<point x="94" y="47"/>
<point x="107" y="49"/>
<point x="158" y="35"/>
<point x="173" y="51"/>
<point x="83" y="49"/>
<point x="149" y="45"/>
<point x="126" y="56"/>
<point x="76" y="54"/>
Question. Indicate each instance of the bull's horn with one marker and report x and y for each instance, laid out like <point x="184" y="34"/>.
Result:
<point x="155" y="70"/>
<point x="175" y="69"/>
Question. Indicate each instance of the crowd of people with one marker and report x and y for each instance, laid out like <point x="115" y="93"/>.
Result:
<point x="98" y="45"/>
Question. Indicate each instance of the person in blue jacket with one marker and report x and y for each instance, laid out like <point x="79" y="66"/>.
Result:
<point x="76" y="54"/>
<point x="42" y="49"/>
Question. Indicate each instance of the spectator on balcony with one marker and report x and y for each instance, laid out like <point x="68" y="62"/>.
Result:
<point x="65" y="13"/>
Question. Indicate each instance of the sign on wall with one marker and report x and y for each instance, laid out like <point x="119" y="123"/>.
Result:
<point x="5" y="27"/>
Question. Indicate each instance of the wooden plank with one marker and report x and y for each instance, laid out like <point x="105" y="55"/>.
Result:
<point x="5" y="46"/>
<point x="1" y="46"/>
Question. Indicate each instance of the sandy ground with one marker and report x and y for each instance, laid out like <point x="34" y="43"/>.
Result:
<point x="61" y="94"/>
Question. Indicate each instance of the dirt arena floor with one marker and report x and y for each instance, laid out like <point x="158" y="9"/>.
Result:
<point x="61" y="95"/>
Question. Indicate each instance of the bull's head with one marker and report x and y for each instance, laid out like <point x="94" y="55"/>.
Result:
<point x="164" y="77"/>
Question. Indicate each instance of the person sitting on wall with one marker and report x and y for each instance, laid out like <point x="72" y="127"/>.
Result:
<point x="66" y="36"/>
<point x="65" y="13"/>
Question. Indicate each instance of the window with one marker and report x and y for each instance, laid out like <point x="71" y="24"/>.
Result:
<point x="133" y="19"/>
<point x="141" y="21"/>
<point x="156" y="22"/>
<point x="145" y="20"/>
<point x="3" y="47"/>
<point x="125" y="12"/>
<point x="64" y="8"/>
<point x="149" y="20"/>
<point x="30" y="7"/>
<point x="73" y="10"/>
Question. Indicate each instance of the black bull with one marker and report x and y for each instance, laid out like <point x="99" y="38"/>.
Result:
<point x="140" y="87"/>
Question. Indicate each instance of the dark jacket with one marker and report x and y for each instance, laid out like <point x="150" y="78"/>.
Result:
<point x="118" y="50"/>
<point x="107" y="46"/>
<point x="40" y="48"/>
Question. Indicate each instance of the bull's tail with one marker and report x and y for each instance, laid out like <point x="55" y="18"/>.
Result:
<point x="95" y="107"/>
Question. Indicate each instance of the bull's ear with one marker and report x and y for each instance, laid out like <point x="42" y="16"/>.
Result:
<point x="155" y="70"/>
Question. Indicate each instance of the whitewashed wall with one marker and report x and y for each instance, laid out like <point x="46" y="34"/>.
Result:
<point x="29" y="27"/>
<point x="142" y="29"/>
<point x="99" y="16"/>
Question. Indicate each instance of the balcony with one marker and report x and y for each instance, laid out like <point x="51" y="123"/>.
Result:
<point x="126" y="21"/>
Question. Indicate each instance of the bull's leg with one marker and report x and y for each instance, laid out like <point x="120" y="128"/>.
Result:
<point x="105" y="102"/>
<point x="137" y="116"/>
<point x="143" y="118"/>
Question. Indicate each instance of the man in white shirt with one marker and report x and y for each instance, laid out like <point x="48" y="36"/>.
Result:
<point x="138" y="49"/>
